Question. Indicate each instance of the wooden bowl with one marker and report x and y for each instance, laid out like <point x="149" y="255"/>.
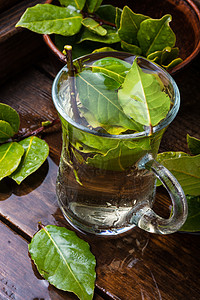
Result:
<point x="185" y="23"/>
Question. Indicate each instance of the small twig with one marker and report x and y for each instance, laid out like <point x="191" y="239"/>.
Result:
<point x="72" y="71"/>
<point x="18" y="138"/>
<point x="150" y="129"/>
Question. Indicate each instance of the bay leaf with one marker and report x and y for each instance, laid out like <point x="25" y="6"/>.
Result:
<point x="185" y="168"/>
<point x="192" y="223"/>
<point x="10" y="157"/>
<point x="168" y="55"/>
<point x="118" y="17"/>
<point x="79" y="4"/>
<point x="112" y="67"/>
<point x="48" y="19"/>
<point x="107" y="12"/>
<point x="131" y="48"/>
<point x="98" y="94"/>
<point x="123" y="156"/>
<point x="103" y="49"/>
<point x="129" y="25"/>
<point x="110" y="38"/>
<point x="142" y="98"/>
<point x="173" y="63"/>
<point x="155" y="35"/>
<point x="64" y="260"/>
<point x="6" y="131"/>
<point x="94" y="26"/>
<point x="10" y="115"/>
<point x="36" y="152"/>
<point x="193" y="145"/>
<point x="93" y="5"/>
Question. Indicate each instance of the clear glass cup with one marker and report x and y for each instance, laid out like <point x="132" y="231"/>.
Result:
<point x="115" y="194"/>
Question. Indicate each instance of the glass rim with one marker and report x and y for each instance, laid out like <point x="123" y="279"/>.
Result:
<point x="163" y="123"/>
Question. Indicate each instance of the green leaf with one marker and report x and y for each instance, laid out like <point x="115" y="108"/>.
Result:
<point x="155" y="35"/>
<point x="141" y="97"/>
<point x="64" y="260"/>
<point x="118" y="17"/>
<point x="112" y="67"/>
<point x="93" y="5"/>
<point x="110" y="38"/>
<point x="103" y="49"/>
<point x="6" y="131"/>
<point x="107" y="13"/>
<point x="131" y="48"/>
<point x="193" y="145"/>
<point x="98" y="94"/>
<point x="192" y="223"/>
<point x="48" y="19"/>
<point x="168" y="55"/>
<point x="79" y="4"/>
<point x="36" y="152"/>
<point x="94" y="26"/>
<point x="10" y="157"/>
<point x="10" y="115"/>
<point x="124" y="155"/>
<point x="129" y="25"/>
<point x="185" y="168"/>
<point x="173" y="63"/>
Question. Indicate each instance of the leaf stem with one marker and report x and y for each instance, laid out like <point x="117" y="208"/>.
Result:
<point x="72" y="71"/>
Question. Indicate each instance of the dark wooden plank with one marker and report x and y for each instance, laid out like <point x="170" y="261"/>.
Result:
<point x="4" y="5"/>
<point x="19" y="278"/>
<point x="135" y="266"/>
<point x="18" y="46"/>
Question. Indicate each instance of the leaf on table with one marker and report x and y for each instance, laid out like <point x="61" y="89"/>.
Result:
<point x="129" y="25"/>
<point x="10" y="115"/>
<point x="64" y="260"/>
<point x="79" y="4"/>
<point x="107" y="12"/>
<point x="48" y="19"/>
<point x="112" y="67"/>
<point x="141" y="97"/>
<point x="124" y="155"/>
<point x="93" y="5"/>
<point x="6" y="131"/>
<point x="36" y="152"/>
<point x="110" y="38"/>
<point x="155" y="35"/>
<point x="131" y="48"/>
<point x="97" y="93"/>
<point x="193" y="145"/>
<point x="10" y="157"/>
<point x="192" y="223"/>
<point x="94" y="26"/>
<point x="185" y="168"/>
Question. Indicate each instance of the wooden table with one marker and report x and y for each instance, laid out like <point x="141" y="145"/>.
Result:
<point x="135" y="266"/>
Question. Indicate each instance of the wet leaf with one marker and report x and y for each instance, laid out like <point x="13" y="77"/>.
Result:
<point x="129" y="25"/>
<point x="64" y="260"/>
<point x="79" y="4"/>
<point x="124" y="155"/>
<point x="48" y="19"/>
<point x="93" y="5"/>
<point x="155" y="35"/>
<point x="110" y="38"/>
<point x="185" y="168"/>
<point x="131" y="48"/>
<point x="94" y="26"/>
<point x="193" y="145"/>
<point x="98" y="94"/>
<point x="10" y="115"/>
<point x="192" y="223"/>
<point x="141" y="97"/>
<point x="112" y="67"/>
<point x="10" y="157"/>
<point x="36" y="152"/>
<point x="6" y="131"/>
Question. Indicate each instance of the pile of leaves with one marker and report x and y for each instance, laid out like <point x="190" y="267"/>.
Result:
<point x="89" y="27"/>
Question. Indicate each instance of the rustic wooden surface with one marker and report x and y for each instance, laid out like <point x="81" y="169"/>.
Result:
<point x="135" y="266"/>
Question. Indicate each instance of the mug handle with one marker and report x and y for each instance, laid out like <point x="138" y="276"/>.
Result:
<point x="146" y="219"/>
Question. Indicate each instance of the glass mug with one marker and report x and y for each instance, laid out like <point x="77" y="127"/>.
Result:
<point x="108" y="198"/>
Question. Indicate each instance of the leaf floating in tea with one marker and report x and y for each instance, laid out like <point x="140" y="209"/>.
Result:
<point x="10" y="157"/>
<point x="64" y="260"/>
<point x="142" y="98"/>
